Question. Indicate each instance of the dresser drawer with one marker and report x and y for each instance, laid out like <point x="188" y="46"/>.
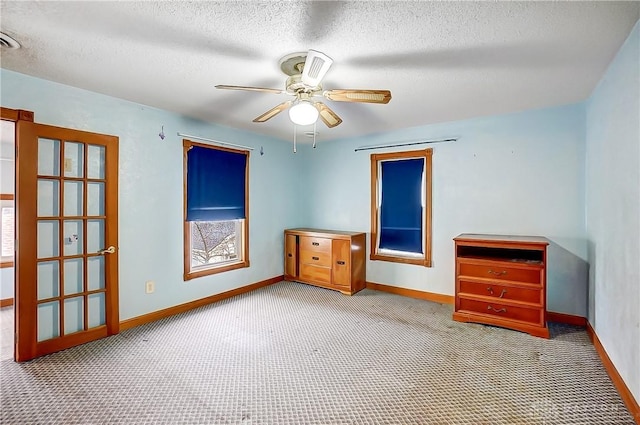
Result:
<point x="501" y="271"/>
<point x="505" y="311"/>
<point x="501" y="292"/>
<point x="315" y="258"/>
<point x="313" y="244"/>
<point x="313" y="273"/>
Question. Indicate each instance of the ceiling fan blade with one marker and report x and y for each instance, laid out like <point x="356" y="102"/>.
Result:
<point x="327" y="115"/>
<point x="315" y="68"/>
<point x="262" y="89"/>
<point x="367" y="96"/>
<point x="274" y="111"/>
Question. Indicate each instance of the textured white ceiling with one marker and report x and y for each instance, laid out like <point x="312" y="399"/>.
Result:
<point x="442" y="61"/>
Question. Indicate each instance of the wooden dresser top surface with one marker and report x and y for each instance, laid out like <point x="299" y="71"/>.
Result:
<point x="302" y="230"/>
<point x="476" y="237"/>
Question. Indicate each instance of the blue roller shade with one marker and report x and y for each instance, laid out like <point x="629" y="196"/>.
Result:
<point x="401" y="209"/>
<point x="215" y="184"/>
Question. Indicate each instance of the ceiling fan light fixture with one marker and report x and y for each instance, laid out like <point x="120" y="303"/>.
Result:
<point x="303" y="113"/>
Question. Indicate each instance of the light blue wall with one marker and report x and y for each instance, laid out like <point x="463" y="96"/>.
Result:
<point x="513" y="174"/>
<point x="151" y="189"/>
<point x="613" y="210"/>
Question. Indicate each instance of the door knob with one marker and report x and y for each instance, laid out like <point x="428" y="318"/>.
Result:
<point x="109" y="250"/>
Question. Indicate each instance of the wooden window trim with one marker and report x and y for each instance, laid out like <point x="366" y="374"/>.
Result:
<point x="375" y="159"/>
<point x="188" y="274"/>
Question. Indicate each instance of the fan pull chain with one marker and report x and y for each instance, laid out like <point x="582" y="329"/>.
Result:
<point x="294" y="139"/>
<point x="314" y="134"/>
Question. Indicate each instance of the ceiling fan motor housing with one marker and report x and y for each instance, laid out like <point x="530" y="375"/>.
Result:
<point x="294" y="85"/>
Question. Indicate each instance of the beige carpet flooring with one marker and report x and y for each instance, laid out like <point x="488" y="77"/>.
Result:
<point x="295" y="354"/>
<point x="6" y="333"/>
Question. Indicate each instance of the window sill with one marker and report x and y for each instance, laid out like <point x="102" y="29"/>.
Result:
<point x="404" y="260"/>
<point x="215" y="270"/>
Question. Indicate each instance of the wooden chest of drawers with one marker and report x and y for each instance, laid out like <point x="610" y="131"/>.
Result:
<point x="326" y="258"/>
<point x="501" y="281"/>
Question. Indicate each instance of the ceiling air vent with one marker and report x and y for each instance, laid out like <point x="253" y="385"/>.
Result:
<point x="8" y="42"/>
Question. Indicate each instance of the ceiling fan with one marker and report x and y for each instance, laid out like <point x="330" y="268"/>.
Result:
<point x="306" y="71"/>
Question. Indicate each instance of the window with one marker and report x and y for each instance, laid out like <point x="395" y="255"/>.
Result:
<point x="401" y="207"/>
<point x="7" y="221"/>
<point x="216" y="209"/>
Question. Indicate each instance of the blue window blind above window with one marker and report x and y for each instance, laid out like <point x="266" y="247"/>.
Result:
<point x="401" y="209"/>
<point x="215" y="184"/>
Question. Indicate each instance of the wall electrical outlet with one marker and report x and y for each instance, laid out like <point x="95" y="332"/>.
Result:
<point x="149" y="286"/>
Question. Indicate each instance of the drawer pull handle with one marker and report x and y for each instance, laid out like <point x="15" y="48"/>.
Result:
<point x="500" y="273"/>
<point x="315" y="258"/>
<point x="504" y="291"/>
<point x="290" y="255"/>
<point x="340" y="262"/>
<point x="315" y="243"/>
<point x="502" y="310"/>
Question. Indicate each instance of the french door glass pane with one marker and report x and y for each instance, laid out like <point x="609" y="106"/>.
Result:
<point x="48" y="279"/>
<point x="95" y="199"/>
<point x="73" y="276"/>
<point x="96" y="310"/>
<point x="95" y="235"/>
<point x="73" y="159"/>
<point x="48" y="238"/>
<point x="48" y="157"/>
<point x="73" y="191"/>
<point x="73" y="244"/>
<point x="73" y="315"/>
<point x="48" y="320"/>
<point x="95" y="273"/>
<point x="48" y="198"/>
<point x="95" y="161"/>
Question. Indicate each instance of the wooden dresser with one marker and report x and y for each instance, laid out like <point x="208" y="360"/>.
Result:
<point x="327" y="258"/>
<point x="501" y="281"/>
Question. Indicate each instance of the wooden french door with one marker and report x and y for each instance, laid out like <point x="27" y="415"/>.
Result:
<point x="67" y="238"/>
